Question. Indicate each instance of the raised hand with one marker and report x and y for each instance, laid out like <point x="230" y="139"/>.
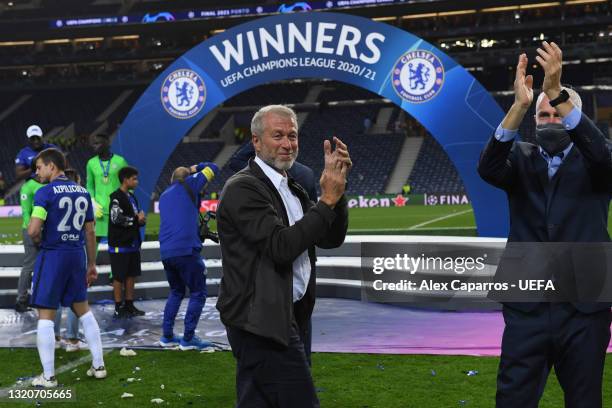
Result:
<point x="333" y="178"/>
<point x="550" y="59"/>
<point x="341" y="154"/>
<point x="523" y="84"/>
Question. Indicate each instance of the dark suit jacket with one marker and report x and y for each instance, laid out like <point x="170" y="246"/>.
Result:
<point x="301" y="173"/>
<point x="258" y="248"/>
<point x="571" y="207"/>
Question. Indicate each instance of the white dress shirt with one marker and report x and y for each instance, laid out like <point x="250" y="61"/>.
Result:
<point x="301" y="265"/>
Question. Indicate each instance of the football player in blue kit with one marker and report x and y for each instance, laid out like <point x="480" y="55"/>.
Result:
<point x="62" y="224"/>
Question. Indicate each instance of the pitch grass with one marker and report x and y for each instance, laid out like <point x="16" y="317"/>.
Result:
<point x="393" y="220"/>
<point x="342" y="380"/>
<point x="457" y="220"/>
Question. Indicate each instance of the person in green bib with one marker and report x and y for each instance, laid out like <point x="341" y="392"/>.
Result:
<point x="26" y="195"/>
<point x="103" y="180"/>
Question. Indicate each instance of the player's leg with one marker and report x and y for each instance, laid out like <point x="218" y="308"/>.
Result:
<point x="130" y="283"/>
<point x="118" y="265"/>
<point x="91" y="331"/>
<point x="57" y="327"/>
<point x="132" y="271"/>
<point x="177" y="292"/>
<point x="193" y="273"/>
<point x="75" y="296"/>
<point x="45" y="343"/>
<point x="118" y="295"/>
<point x="48" y="284"/>
<point x="73" y="342"/>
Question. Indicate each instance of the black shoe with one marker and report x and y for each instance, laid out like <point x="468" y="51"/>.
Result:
<point x="21" y="307"/>
<point x="133" y="311"/>
<point x="121" y="313"/>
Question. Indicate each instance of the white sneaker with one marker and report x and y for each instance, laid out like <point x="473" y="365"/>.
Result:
<point x="99" y="372"/>
<point x="72" y="347"/>
<point x="41" y="381"/>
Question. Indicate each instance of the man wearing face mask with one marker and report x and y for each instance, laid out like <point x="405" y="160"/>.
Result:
<point x="558" y="191"/>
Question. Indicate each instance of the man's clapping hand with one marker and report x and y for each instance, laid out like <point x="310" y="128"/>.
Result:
<point x="337" y="165"/>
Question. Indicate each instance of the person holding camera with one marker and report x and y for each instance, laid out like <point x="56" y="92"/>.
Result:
<point x="180" y="246"/>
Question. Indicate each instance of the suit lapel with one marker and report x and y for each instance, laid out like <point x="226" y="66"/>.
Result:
<point x="279" y="205"/>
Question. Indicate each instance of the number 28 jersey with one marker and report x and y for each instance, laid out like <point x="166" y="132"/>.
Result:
<point x="65" y="207"/>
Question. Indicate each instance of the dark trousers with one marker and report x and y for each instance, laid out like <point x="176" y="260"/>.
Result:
<point x="269" y="375"/>
<point x="554" y="335"/>
<point x="306" y="337"/>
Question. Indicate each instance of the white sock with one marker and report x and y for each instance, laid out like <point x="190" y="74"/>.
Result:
<point x="91" y="330"/>
<point x="45" y="342"/>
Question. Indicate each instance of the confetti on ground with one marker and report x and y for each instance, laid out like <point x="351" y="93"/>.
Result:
<point x="127" y="395"/>
<point x="127" y="353"/>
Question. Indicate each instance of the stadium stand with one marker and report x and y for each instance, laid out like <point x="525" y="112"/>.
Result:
<point x="370" y="172"/>
<point x="108" y="61"/>
<point x="187" y="154"/>
<point x="53" y="111"/>
<point x="433" y="171"/>
<point x="290" y="92"/>
<point x="340" y="92"/>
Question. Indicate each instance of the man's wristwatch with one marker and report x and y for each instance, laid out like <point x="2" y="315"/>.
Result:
<point x="563" y="97"/>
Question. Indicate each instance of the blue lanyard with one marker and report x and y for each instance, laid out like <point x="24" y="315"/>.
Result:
<point x="107" y="169"/>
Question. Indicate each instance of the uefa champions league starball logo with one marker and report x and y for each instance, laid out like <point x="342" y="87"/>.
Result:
<point x="183" y="94"/>
<point x="418" y="76"/>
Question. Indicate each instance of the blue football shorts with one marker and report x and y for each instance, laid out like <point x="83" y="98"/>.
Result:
<point x="60" y="277"/>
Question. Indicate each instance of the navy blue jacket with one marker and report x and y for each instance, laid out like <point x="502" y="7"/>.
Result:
<point x="571" y="207"/>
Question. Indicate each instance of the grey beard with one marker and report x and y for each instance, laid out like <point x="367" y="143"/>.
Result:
<point x="280" y="165"/>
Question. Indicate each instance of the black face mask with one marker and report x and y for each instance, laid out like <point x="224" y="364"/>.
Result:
<point x="552" y="137"/>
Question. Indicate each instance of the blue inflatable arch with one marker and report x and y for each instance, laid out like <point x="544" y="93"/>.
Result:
<point x="395" y="64"/>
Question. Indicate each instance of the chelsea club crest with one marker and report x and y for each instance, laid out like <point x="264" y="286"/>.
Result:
<point x="418" y="76"/>
<point x="183" y="94"/>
